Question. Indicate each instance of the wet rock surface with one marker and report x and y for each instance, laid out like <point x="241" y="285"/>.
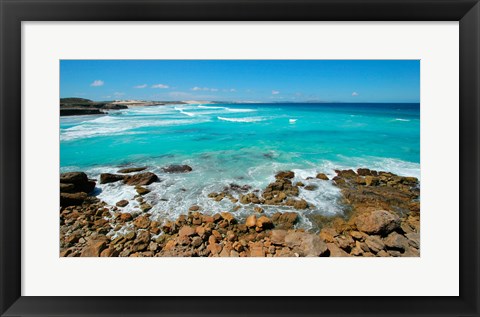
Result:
<point x="383" y="220"/>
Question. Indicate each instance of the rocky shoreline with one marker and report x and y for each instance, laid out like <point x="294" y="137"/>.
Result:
<point x="382" y="219"/>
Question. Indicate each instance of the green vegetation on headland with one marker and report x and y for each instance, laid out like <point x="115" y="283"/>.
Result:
<point x="82" y="106"/>
<point x="383" y="219"/>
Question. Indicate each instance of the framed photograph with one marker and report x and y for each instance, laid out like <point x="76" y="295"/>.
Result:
<point x="294" y="158"/>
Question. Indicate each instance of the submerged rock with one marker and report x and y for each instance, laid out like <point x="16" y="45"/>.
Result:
<point x="131" y="170"/>
<point x="177" y="169"/>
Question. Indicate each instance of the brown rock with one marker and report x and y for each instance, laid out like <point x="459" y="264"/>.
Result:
<point x="264" y="223"/>
<point x="142" y="190"/>
<point x="122" y="203"/>
<point x="142" y="222"/>
<point x="377" y="222"/>
<point x="94" y="247"/>
<point x="285" y="174"/>
<point x="228" y="217"/>
<point x="186" y="231"/>
<point x="374" y="243"/>
<point x="72" y="199"/>
<point x="300" y="204"/>
<point x="251" y="221"/>
<point x="67" y="188"/>
<point x="145" y="207"/>
<point x="257" y="251"/>
<point x="310" y="187"/>
<point x="328" y="234"/>
<point x="364" y="172"/>
<point x="141" y="242"/>
<point x="357" y="235"/>
<point x="287" y="220"/>
<point x="214" y="248"/>
<point x="258" y="209"/>
<point x="194" y="208"/>
<point x="196" y="242"/>
<point x="177" y="169"/>
<point x="79" y="180"/>
<point x="106" y="178"/>
<point x="125" y="217"/>
<point x="396" y="241"/>
<point x="277" y="236"/>
<point x="131" y="170"/>
<point x="335" y="251"/>
<point x="140" y="179"/>
<point x="322" y="176"/>
<point x="305" y="244"/>
<point x="413" y="239"/>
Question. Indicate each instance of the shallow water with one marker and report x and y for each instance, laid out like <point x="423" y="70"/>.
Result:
<point x="242" y="144"/>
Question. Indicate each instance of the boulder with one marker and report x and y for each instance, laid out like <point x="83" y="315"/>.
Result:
<point x="142" y="222"/>
<point x="364" y="172"/>
<point x="310" y="187"/>
<point x="264" y="223"/>
<point x="131" y="170"/>
<point x="194" y="208"/>
<point x="413" y="239"/>
<point x="322" y="176"/>
<point x="79" y="180"/>
<point x="141" y="190"/>
<point x="228" y="217"/>
<point x="124" y="217"/>
<point x="257" y="251"/>
<point x="94" y="247"/>
<point x="287" y="220"/>
<point x="285" y="174"/>
<point x="67" y="188"/>
<point x="374" y="243"/>
<point x="328" y="234"/>
<point x="377" y="222"/>
<point x="249" y="198"/>
<point x="106" y="178"/>
<point x="140" y="179"/>
<point x="145" y="207"/>
<point x="251" y="221"/>
<point x="122" y="203"/>
<point x="72" y="199"/>
<point x="186" y="231"/>
<point x="300" y="204"/>
<point x="335" y="251"/>
<point x="277" y="236"/>
<point x="305" y="244"/>
<point x="177" y="169"/>
<point x="396" y="241"/>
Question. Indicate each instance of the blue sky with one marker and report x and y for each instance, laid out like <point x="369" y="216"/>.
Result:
<point x="243" y="80"/>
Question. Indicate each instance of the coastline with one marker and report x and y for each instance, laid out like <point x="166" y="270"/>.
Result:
<point x="381" y="218"/>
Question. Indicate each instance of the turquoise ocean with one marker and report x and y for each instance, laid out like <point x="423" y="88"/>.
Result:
<point x="244" y="144"/>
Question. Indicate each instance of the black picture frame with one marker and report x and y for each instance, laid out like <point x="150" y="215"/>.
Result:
<point x="13" y="12"/>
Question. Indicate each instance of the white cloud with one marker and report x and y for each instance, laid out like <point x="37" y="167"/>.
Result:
<point x="118" y="94"/>
<point x="354" y="93"/>
<point x="141" y="86"/>
<point x="232" y="90"/>
<point x="97" y="83"/>
<point x="204" y="89"/>
<point x="275" y="92"/>
<point x="162" y="86"/>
